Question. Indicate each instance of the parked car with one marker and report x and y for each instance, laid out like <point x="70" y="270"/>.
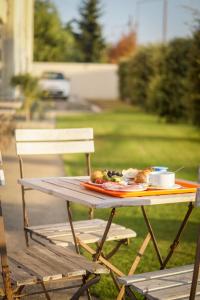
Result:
<point x="55" y="84"/>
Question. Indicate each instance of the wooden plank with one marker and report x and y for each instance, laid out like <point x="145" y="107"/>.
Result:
<point x="108" y="201"/>
<point x="88" y="238"/>
<point x="71" y="134"/>
<point x="34" y="148"/>
<point x="20" y="276"/>
<point x="87" y="227"/>
<point x="81" y="260"/>
<point x="35" y="267"/>
<point x="165" y="282"/>
<point x="75" y="186"/>
<point x="63" y="193"/>
<point x="174" y="293"/>
<point x="77" y="224"/>
<point x="60" y="264"/>
<point x="155" y="274"/>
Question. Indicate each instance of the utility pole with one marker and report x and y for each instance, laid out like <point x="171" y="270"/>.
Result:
<point x="165" y="19"/>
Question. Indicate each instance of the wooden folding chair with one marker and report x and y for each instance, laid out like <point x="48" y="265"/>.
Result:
<point x="43" y="264"/>
<point x="168" y="284"/>
<point x="64" y="141"/>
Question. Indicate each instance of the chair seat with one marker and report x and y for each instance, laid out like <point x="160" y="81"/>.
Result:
<point x="168" y="284"/>
<point x="49" y="262"/>
<point x="88" y="231"/>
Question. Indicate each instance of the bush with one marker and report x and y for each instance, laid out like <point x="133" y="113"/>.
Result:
<point x="123" y="73"/>
<point x="30" y="90"/>
<point x="141" y="70"/>
<point x="156" y="79"/>
<point x="171" y="89"/>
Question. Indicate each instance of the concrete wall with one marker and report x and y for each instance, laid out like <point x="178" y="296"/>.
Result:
<point x="90" y="81"/>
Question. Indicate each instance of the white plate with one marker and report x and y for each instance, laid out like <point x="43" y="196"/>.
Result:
<point x="93" y="183"/>
<point x="175" y="186"/>
<point x="119" y="187"/>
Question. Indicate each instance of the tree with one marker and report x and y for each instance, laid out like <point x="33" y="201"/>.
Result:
<point x="124" y="48"/>
<point x="194" y="77"/>
<point x="90" y="37"/>
<point x="52" y="42"/>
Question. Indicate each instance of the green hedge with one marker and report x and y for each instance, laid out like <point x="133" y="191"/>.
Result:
<point x="165" y="79"/>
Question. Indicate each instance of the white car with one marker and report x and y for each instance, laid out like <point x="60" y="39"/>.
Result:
<point x="55" y="84"/>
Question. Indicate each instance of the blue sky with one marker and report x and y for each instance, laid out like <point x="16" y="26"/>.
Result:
<point x="117" y="13"/>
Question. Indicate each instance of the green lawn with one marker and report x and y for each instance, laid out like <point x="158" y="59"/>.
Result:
<point x="126" y="137"/>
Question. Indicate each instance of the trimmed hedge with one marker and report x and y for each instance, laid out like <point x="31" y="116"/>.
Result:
<point x="165" y="79"/>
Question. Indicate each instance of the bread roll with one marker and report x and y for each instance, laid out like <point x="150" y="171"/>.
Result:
<point x="143" y="176"/>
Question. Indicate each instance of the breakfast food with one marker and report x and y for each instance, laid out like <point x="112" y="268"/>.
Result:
<point x="98" y="174"/>
<point x="130" y="173"/>
<point x="130" y="176"/>
<point x="100" y="177"/>
<point x="143" y="176"/>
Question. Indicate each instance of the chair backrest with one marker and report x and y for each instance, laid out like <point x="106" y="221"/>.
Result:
<point x="54" y="141"/>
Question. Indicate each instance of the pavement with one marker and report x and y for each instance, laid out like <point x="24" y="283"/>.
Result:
<point x="43" y="208"/>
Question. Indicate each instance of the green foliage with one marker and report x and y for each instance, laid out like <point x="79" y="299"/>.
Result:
<point x="123" y="73"/>
<point x="90" y="37"/>
<point x="52" y="42"/>
<point x="29" y="88"/>
<point x="193" y="95"/>
<point x="171" y="88"/>
<point x="165" y="79"/>
<point x="137" y="71"/>
<point x="141" y="71"/>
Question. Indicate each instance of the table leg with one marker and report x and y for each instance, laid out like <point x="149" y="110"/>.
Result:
<point x="152" y="236"/>
<point x="72" y="227"/>
<point x="99" y="249"/>
<point x="176" y="240"/>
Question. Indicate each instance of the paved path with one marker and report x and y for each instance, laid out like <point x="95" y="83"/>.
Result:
<point x="43" y="208"/>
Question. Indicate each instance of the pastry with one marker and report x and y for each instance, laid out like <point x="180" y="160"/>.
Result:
<point x="143" y="176"/>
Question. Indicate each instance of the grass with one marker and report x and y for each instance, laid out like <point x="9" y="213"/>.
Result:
<point x="126" y="137"/>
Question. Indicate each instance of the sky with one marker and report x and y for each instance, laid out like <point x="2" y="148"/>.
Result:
<point x="119" y="15"/>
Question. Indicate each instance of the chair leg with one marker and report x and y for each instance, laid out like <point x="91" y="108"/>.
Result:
<point x="87" y="291"/>
<point x="130" y="293"/>
<point x="45" y="291"/>
<point x="18" y="292"/>
<point x="85" y="287"/>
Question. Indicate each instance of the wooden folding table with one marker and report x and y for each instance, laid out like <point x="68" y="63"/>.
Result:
<point x="71" y="190"/>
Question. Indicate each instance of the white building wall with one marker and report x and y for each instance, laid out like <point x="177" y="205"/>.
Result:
<point x="90" y="81"/>
<point x="17" y="16"/>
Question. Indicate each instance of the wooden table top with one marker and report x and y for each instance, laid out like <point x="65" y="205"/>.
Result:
<point x="69" y="188"/>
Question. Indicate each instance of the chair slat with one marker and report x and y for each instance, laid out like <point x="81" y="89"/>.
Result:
<point x="88" y="231"/>
<point x="41" y="135"/>
<point x="164" y="282"/>
<point x="174" y="293"/>
<point x="37" y="148"/>
<point x="155" y="274"/>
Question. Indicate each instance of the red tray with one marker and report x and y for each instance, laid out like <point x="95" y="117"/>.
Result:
<point x="186" y="187"/>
